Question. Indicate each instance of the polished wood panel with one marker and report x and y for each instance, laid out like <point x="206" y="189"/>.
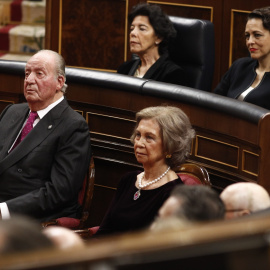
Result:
<point x="11" y="83"/>
<point x="186" y="11"/>
<point x="238" y="47"/>
<point x="90" y="33"/>
<point x="4" y="103"/>
<point x="53" y="26"/>
<point x="250" y="163"/>
<point x="224" y="245"/>
<point x="11" y="90"/>
<point x="204" y="146"/>
<point x="98" y="124"/>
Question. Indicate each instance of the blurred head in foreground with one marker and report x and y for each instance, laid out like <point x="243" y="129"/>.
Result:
<point x="63" y="238"/>
<point x="22" y="234"/>
<point x="189" y="204"/>
<point x="243" y="199"/>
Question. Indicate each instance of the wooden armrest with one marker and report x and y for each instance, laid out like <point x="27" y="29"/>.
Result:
<point x="49" y="223"/>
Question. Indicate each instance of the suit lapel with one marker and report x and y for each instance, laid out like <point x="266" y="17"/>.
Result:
<point x="13" y="127"/>
<point x="38" y="134"/>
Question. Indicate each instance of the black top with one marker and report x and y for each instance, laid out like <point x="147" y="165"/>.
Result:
<point x="126" y="214"/>
<point x="240" y="77"/>
<point x="163" y="70"/>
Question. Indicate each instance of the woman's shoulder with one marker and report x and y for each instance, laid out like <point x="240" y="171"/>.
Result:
<point x="241" y="66"/>
<point x="166" y="61"/>
<point x="177" y="181"/>
<point x="245" y="61"/>
<point x="170" y="185"/>
<point x="165" y="190"/>
<point x="169" y="65"/>
<point x="128" y="178"/>
<point x="166" y="70"/>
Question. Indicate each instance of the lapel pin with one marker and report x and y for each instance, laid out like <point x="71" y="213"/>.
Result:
<point x="50" y="126"/>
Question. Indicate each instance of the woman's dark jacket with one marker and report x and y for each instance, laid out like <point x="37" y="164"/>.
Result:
<point x="240" y="77"/>
<point x="163" y="70"/>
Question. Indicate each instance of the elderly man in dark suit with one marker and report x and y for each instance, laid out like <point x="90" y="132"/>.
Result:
<point x="41" y="172"/>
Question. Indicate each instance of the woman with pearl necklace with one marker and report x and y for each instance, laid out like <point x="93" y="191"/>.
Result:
<point x="162" y="140"/>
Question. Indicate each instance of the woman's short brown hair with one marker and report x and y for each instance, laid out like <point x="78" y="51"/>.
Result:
<point x="176" y="131"/>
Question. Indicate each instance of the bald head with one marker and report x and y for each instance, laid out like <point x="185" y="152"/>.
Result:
<point x="63" y="238"/>
<point x="244" y="198"/>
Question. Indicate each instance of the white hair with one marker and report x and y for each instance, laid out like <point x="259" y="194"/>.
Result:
<point x="244" y="195"/>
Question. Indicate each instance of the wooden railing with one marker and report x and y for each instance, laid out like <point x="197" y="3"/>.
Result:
<point x="227" y="245"/>
<point x="231" y="136"/>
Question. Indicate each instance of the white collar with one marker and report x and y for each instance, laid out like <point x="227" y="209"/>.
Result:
<point x="43" y="112"/>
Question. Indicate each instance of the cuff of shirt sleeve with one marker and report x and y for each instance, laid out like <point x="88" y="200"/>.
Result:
<point x="4" y="211"/>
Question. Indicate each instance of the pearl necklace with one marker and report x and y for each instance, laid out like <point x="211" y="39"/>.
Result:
<point x="138" y="193"/>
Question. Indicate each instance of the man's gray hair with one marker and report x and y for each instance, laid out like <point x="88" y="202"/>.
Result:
<point x="60" y="66"/>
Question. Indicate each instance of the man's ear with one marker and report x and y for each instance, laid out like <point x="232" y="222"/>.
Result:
<point x="61" y="82"/>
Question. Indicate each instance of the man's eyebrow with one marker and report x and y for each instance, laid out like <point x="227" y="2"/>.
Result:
<point x="35" y="68"/>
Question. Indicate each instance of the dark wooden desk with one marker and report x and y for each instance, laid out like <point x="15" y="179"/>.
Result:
<point x="231" y="245"/>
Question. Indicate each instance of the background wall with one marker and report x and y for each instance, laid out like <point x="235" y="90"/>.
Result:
<point x="22" y="28"/>
<point x="94" y="33"/>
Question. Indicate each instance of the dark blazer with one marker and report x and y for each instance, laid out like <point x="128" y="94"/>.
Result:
<point x="42" y="176"/>
<point x="240" y="77"/>
<point x="163" y="70"/>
